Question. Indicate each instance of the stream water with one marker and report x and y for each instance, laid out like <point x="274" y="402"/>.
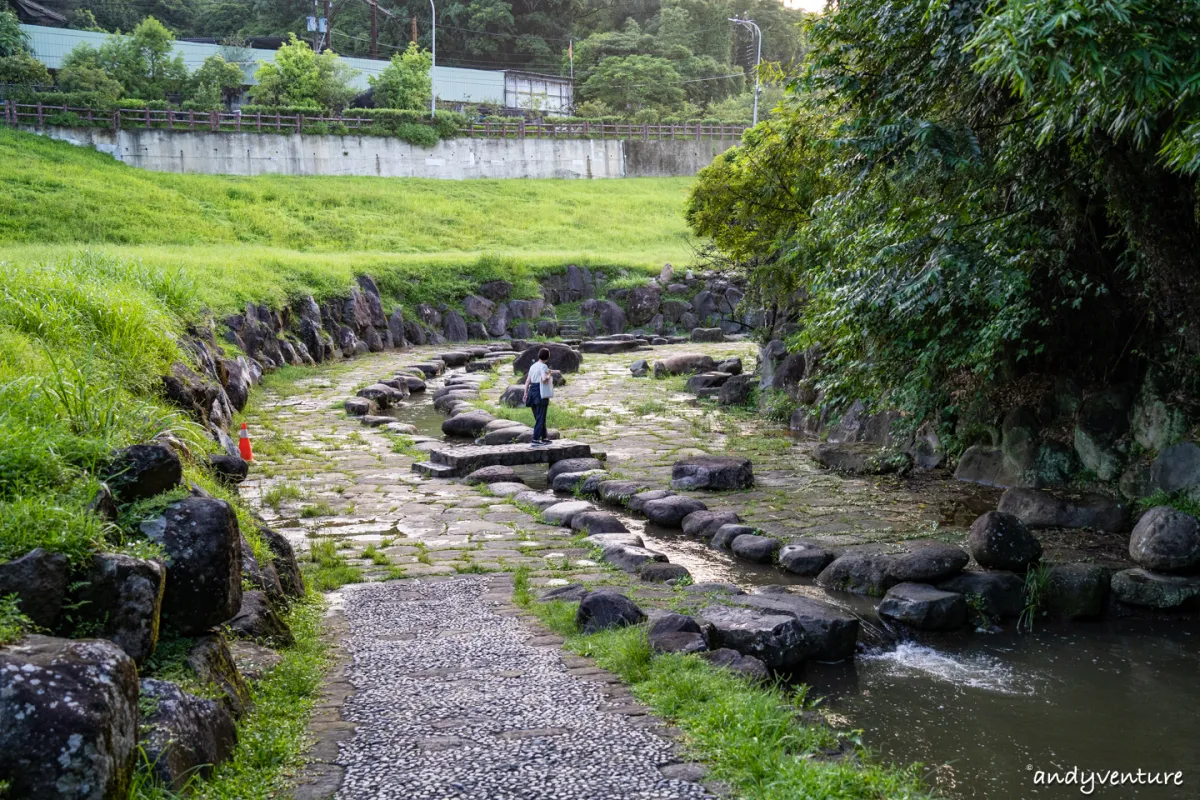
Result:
<point x="988" y="713"/>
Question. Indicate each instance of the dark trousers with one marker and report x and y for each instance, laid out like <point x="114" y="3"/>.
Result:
<point x="539" y="420"/>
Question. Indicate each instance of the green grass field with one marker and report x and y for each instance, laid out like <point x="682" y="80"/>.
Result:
<point x="269" y="237"/>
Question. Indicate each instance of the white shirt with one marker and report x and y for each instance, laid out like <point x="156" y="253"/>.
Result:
<point x="540" y="373"/>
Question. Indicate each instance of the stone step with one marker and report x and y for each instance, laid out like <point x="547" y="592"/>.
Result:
<point x="461" y="461"/>
<point x="432" y="470"/>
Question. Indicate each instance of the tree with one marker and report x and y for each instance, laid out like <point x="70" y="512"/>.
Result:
<point x="17" y="64"/>
<point x="216" y="82"/>
<point x="141" y="63"/>
<point x="405" y="82"/>
<point x="634" y="83"/>
<point x="299" y="77"/>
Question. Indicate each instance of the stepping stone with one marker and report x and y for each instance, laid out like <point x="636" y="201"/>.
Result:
<point x="539" y="500"/>
<point x="1001" y="594"/>
<point x="495" y="474"/>
<point x="374" y="421"/>
<point x="597" y="522"/>
<point x="712" y="472"/>
<point x="637" y="502"/>
<point x="561" y="513"/>
<point x="755" y="548"/>
<point x="921" y="606"/>
<point x="560" y="466"/>
<point x="618" y="491"/>
<point x="630" y="558"/>
<point x="507" y="435"/>
<point x="927" y="563"/>
<point x="402" y="428"/>
<point x="802" y="558"/>
<point x="507" y="489"/>
<point x="358" y="406"/>
<point x="1141" y="587"/>
<point x="606" y="609"/>
<point x="604" y="540"/>
<point x="705" y="524"/>
<point x="568" y="482"/>
<point x="466" y="424"/>
<point x="726" y="534"/>
<point x="662" y="573"/>
<point x="670" y="511"/>
<point x="466" y="460"/>
<point x="829" y="633"/>
<point x="571" y="593"/>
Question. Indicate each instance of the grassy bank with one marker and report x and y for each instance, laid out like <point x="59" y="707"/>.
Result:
<point x="752" y="737"/>
<point x="53" y="193"/>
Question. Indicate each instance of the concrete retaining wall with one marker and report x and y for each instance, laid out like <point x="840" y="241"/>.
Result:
<point x="455" y="159"/>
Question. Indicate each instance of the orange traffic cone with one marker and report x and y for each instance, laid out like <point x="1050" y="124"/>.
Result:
<point x="244" y="444"/>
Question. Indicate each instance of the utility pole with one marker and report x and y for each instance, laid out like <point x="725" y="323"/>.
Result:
<point x="328" y="27"/>
<point x="433" y="62"/>
<point x="751" y="26"/>
<point x="374" y="29"/>
<point x="414" y="30"/>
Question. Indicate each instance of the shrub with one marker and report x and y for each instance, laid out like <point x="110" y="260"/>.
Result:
<point x="405" y="82"/>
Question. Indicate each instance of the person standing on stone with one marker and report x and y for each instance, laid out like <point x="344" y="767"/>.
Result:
<point x="539" y="388"/>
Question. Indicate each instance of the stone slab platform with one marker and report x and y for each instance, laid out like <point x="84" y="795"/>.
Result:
<point x="461" y="461"/>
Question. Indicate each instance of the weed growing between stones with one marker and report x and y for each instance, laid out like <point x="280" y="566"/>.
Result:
<point x="280" y="493"/>
<point x="318" y="509"/>
<point x="13" y="624"/>
<point x="752" y="737"/>
<point x="404" y="445"/>
<point x="1037" y="595"/>
<point x="326" y="569"/>
<point x="272" y="737"/>
<point x="1178" y="501"/>
<point x="375" y="557"/>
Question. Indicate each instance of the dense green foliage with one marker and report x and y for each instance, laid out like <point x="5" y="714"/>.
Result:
<point x="300" y="77"/>
<point x="17" y="66"/>
<point x="141" y="63"/>
<point x="405" y="82"/>
<point x="697" y="57"/>
<point x="960" y="192"/>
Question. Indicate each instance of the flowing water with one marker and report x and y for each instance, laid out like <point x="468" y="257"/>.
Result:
<point x="987" y="714"/>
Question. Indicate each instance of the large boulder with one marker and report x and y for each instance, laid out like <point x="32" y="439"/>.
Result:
<point x="287" y="568"/>
<point x="183" y="735"/>
<point x="1078" y="591"/>
<point x="1176" y="469"/>
<point x="676" y="633"/>
<point x="478" y="307"/>
<point x="202" y="544"/>
<point x="776" y="639"/>
<point x="1102" y="421"/>
<point x="749" y="667"/>
<point x="828" y="632"/>
<point x="68" y="719"/>
<point x="604" y="609"/>
<point x="724" y="537"/>
<point x="562" y="358"/>
<point x="454" y="327"/>
<point x="924" y="607"/>
<point x="1166" y="540"/>
<point x="1141" y="587"/>
<point x="581" y="482"/>
<point x="258" y="620"/>
<point x="1001" y="541"/>
<point x="212" y="664"/>
<point x="382" y="395"/>
<point x="122" y="598"/>
<point x="712" y="472"/>
<point x="262" y="577"/>
<point x="641" y="304"/>
<point x="1039" y="509"/>
<point x="142" y="471"/>
<point x="670" y="511"/>
<point x="684" y="364"/>
<point x="737" y="391"/>
<point x="662" y="572"/>
<point x="803" y="558"/>
<point x="707" y="335"/>
<point x="999" y="595"/>
<point x="39" y="580"/>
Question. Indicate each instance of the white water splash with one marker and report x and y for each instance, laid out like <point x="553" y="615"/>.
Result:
<point x="976" y="671"/>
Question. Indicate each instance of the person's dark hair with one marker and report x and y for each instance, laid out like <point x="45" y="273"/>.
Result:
<point x="544" y="354"/>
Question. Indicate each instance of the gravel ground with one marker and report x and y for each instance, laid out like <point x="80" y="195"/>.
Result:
<point x="452" y="700"/>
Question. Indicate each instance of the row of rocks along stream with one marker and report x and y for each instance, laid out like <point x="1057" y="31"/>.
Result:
<point x="982" y="710"/>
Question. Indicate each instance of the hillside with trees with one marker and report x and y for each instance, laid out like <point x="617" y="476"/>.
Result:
<point x="645" y="61"/>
